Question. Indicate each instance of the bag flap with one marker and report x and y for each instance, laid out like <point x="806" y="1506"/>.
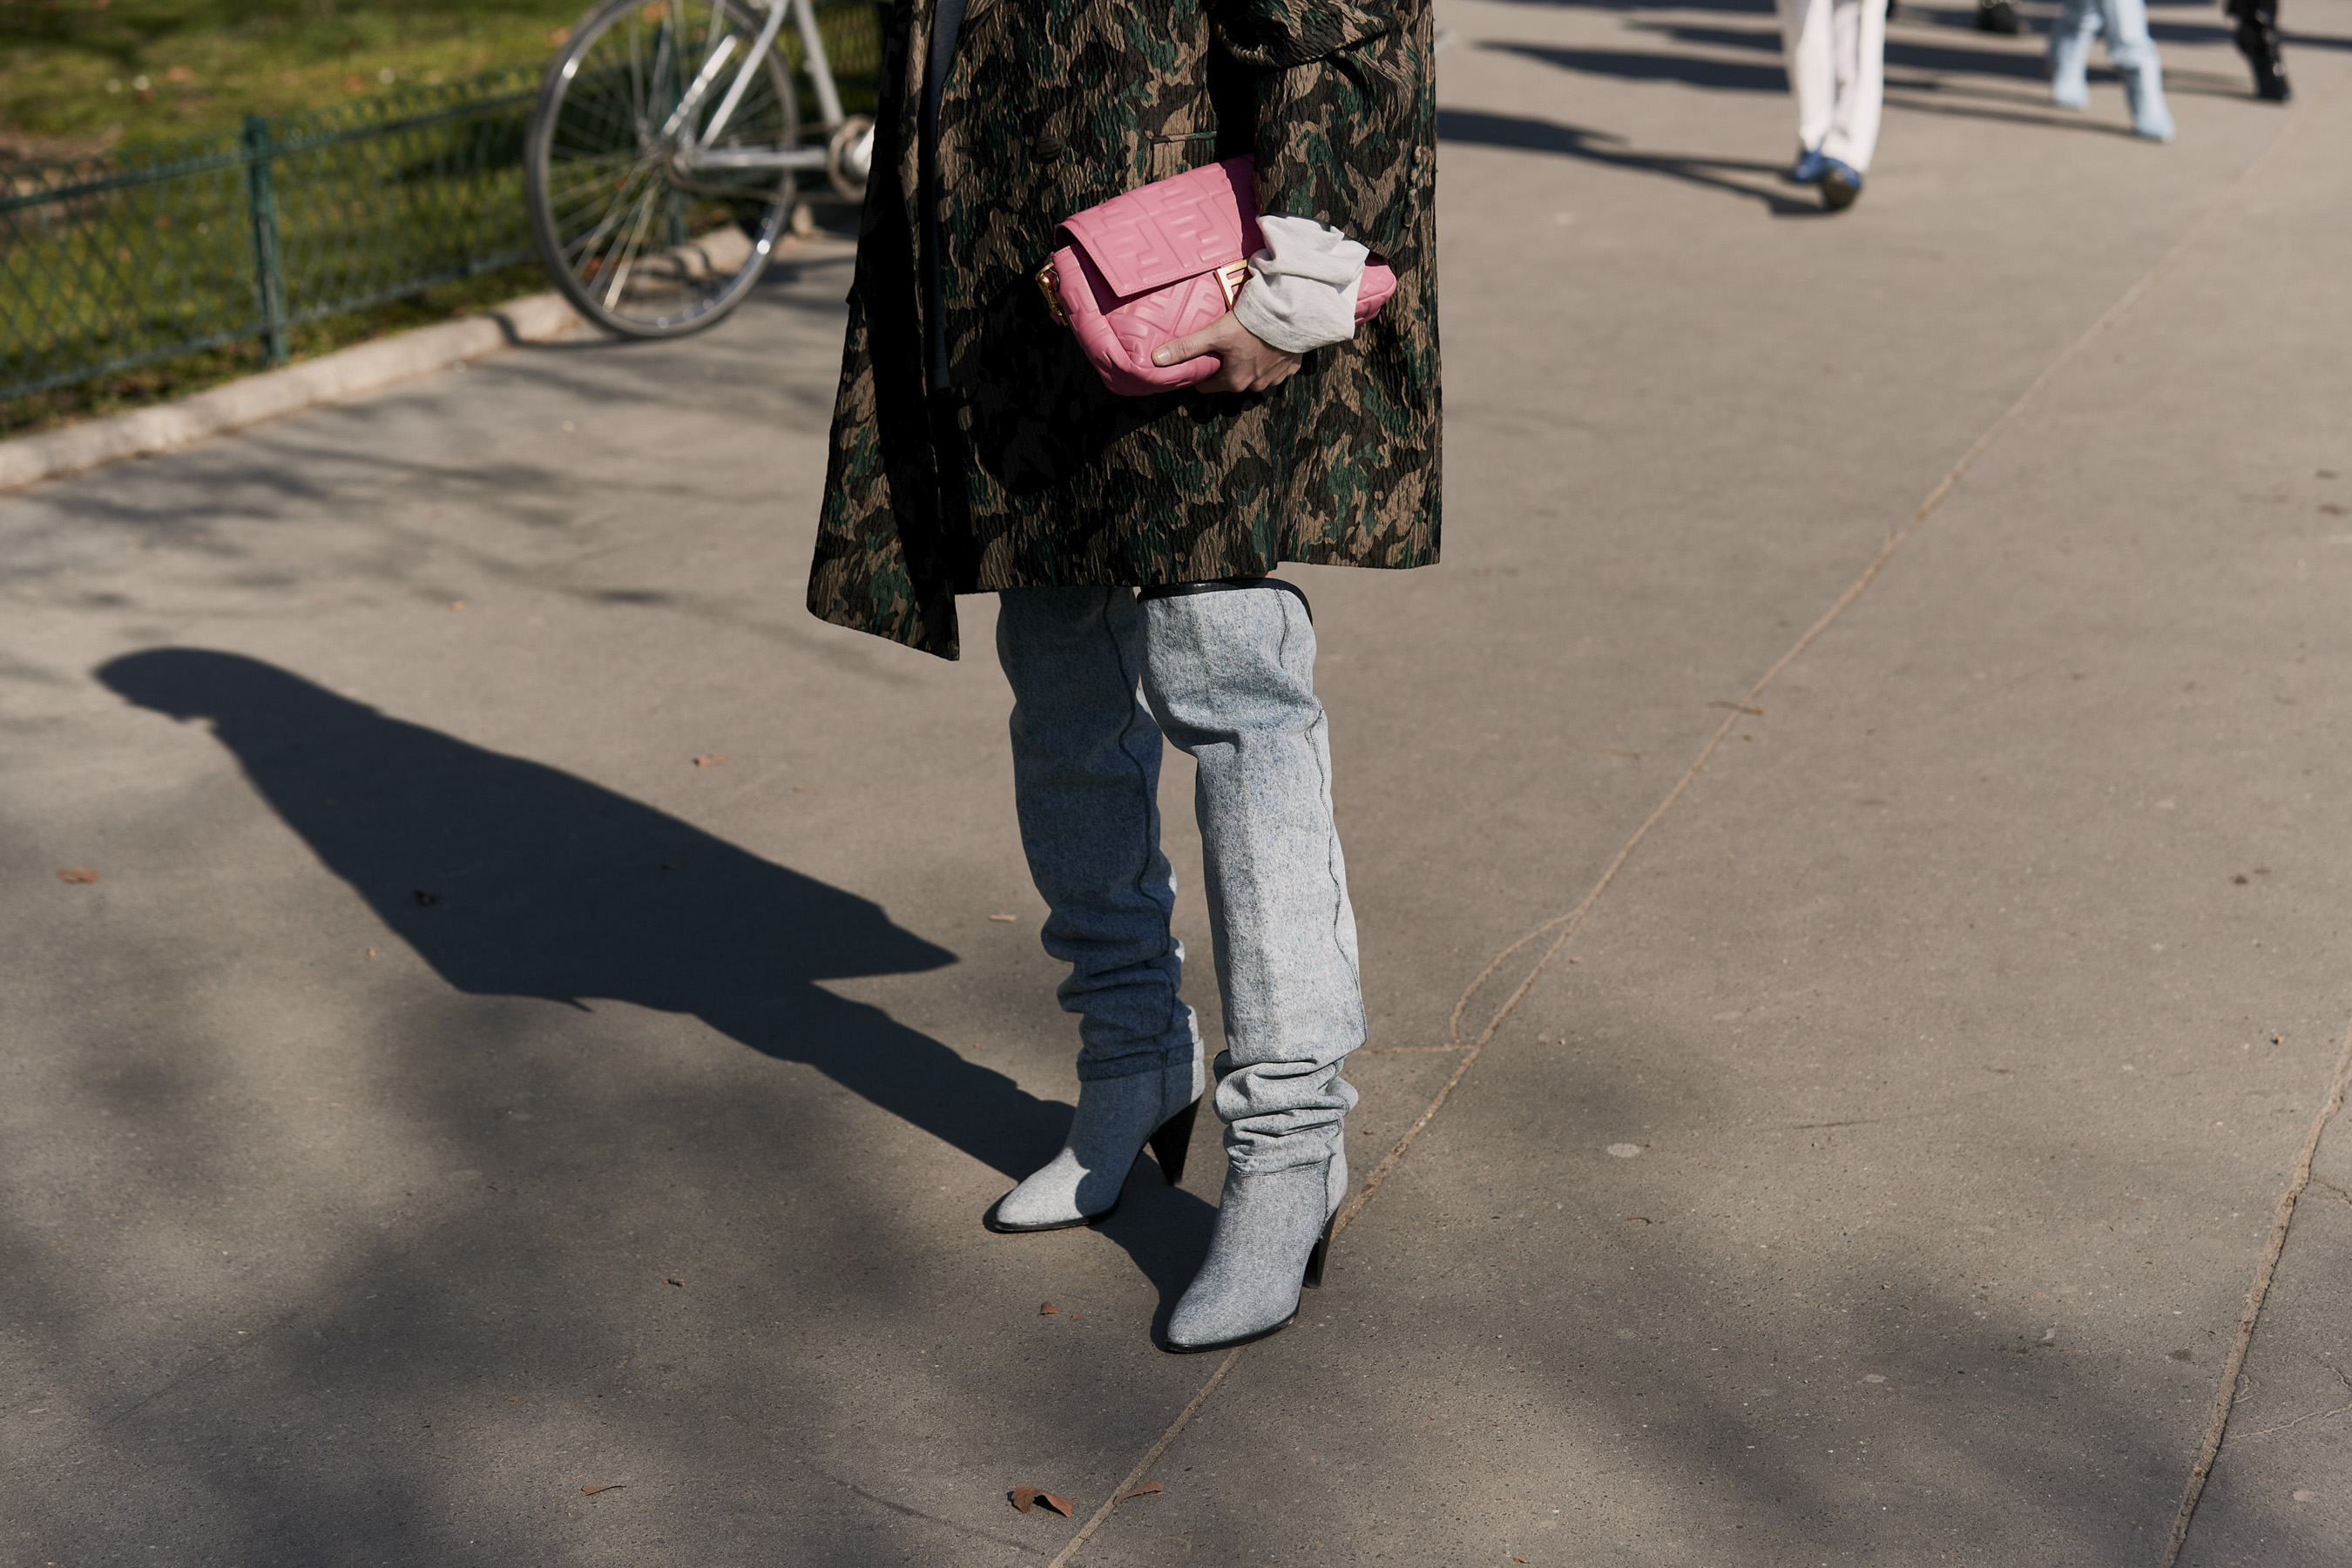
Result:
<point x="1173" y="229"/>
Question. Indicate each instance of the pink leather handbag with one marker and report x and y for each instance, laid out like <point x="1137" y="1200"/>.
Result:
<point x="1159" y="262"/>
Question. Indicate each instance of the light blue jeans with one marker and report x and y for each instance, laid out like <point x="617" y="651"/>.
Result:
<point x="1099" y="680"/>
<point x="2130" y="51"/>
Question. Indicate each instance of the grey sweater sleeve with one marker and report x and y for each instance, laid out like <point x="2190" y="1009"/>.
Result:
<point x="1302" y="290"/>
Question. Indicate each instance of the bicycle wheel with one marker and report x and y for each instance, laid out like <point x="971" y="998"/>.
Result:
<point x="647" y="232"/>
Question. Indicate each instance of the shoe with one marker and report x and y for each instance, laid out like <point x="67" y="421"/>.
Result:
<point x="1118" y="1117"/>
<point x="1274" y="1233"/>
<point x="2144" y="94"/>
<point x="1998" y="16"/>
<point x="1841" y="183"/>
<point x="2258" y="41"/>
<point x="1808" y="169"/>
<point x="2070" y="70"/>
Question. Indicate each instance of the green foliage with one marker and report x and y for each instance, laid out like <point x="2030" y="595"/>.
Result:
<point x="71" y="70"/>
<point x="153" y="237"/>
<point x="136" y="254"/>
<point x="162" y="380"/>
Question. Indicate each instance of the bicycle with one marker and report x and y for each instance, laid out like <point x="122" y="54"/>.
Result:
<point x="664" y="154"/>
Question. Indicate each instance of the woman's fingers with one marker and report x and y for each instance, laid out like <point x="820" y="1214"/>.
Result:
<point x="1189" y="347"/>
<point x="1244" y="363"/>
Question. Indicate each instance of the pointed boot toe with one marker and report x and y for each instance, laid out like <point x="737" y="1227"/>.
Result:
<point x="1116" y="1119"/>
<point x="1273" y="1230"/>
<point x="1062" y="1195"/>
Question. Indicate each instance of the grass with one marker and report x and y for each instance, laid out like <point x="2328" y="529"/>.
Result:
<point x="148" y="267"/>
<point x="82" y="75"/>
<point x="163" y="380"/>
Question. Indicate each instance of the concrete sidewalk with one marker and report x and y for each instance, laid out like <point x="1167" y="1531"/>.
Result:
<point x="544" y="1021"/>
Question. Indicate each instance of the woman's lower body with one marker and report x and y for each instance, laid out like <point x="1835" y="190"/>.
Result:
<point x="2130" y="49"/>
<point x="1101" y="677"/>
<point x="1835" y="52"/>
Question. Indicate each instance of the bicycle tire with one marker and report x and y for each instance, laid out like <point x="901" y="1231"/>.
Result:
<point x="600" y="175"/>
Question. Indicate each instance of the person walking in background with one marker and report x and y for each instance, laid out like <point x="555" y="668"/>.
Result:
<point x="2258" y="40"/>
<point x="1835" y="51"/>
<point x="2130" y="49"/>
<point x="975" y="449"/>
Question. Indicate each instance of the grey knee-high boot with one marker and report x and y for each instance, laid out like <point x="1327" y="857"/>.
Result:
<point x="1274" y="1232"/>
<point x="1115" y="1117"/>
<point x="1229" y="675"/>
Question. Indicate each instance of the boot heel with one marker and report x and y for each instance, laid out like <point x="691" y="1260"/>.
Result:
<point x="1174" y="1141"/>
<point x="1314" y="1280"/>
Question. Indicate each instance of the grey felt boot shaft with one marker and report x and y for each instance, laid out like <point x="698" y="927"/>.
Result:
<point x="1098" y="679"/>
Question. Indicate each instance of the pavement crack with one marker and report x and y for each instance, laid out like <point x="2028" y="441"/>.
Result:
<point x="964" y="1529"/>
<point x="2234" y="1379"/>
<point x="2338" y="1193"/>
<point x="1858" y="1122"/>
<point x="2314" y="1416"/>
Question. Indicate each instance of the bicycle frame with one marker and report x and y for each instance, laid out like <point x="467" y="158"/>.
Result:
<point x="695" y="150"/>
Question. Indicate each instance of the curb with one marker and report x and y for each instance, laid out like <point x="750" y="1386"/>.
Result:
<point x="347" y="373"/>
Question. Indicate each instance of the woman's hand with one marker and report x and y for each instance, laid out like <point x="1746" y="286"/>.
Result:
<point x="1245" y="361"/>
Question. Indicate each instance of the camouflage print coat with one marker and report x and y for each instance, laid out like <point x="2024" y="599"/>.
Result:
<point x="1028" y="472"/>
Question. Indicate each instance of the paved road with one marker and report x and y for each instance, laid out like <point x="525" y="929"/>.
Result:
<point x="462" y="1088"/>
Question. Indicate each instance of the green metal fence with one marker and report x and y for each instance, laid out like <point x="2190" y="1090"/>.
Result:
<point x="113" y="261"/>
<point x="137" y="255"/>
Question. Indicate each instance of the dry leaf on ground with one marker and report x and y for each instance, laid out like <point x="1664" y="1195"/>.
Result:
<point x="680" y="1283"/>
<point x="1148" y="1488"/>
<point x="1045" y="1310"/>
<point x="1023" y="1497"/>
<point x="77" y="874"/>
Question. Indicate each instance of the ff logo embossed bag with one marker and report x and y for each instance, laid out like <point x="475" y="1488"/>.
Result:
<point x="1161" y="261"/>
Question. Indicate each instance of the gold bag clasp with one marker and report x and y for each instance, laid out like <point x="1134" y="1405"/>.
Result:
<point x="1049" y="284"/>
<point x="1230" y="278"/>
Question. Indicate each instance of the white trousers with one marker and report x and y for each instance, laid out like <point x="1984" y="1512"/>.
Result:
<point x="1836" y="52"/>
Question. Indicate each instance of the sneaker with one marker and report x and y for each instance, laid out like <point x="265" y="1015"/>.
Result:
<point x="1841" y="183"/>
<point x="1808" y="169"/>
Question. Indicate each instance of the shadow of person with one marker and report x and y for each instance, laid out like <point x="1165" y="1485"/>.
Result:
<point x="1473" y="125"/>
<point x="512" y="878"/>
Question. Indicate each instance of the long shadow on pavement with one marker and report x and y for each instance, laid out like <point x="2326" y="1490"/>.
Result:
<point x="1642" y="65"/>
<point x="512" y="878"/>
<point x="1476" y="126"/>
